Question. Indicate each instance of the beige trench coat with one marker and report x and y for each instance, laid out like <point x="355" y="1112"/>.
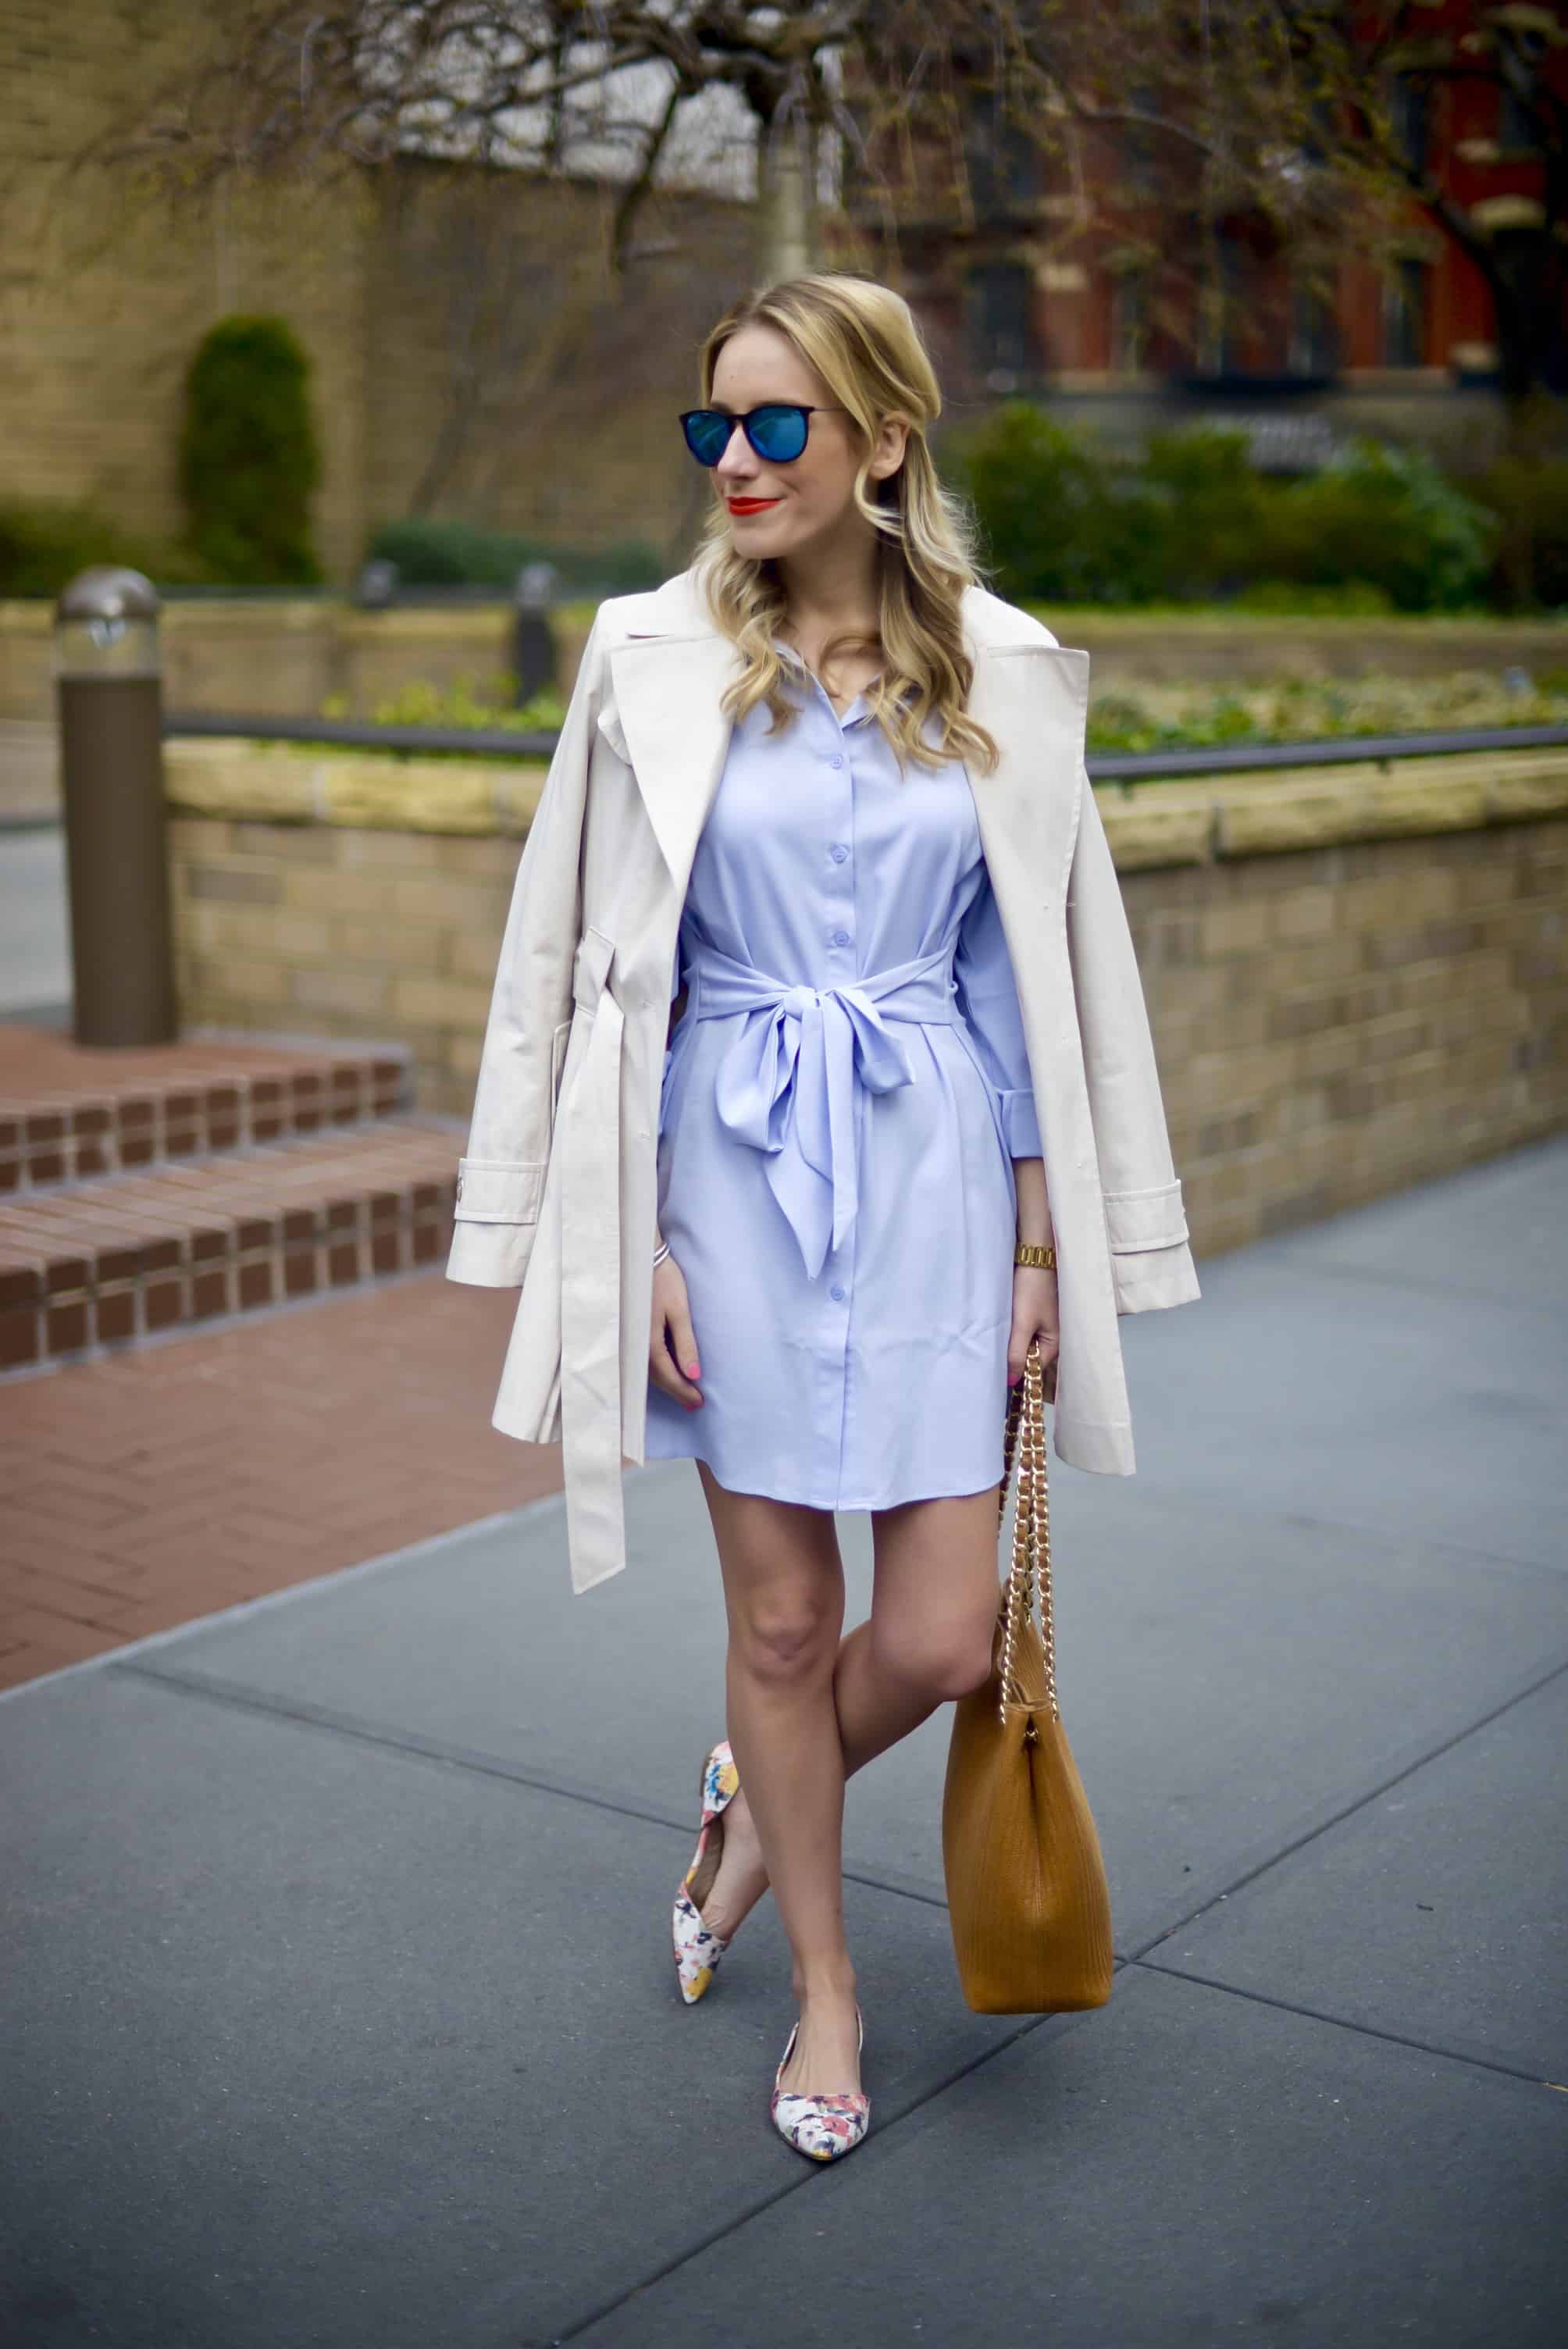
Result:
<point x="558" y="1192"/>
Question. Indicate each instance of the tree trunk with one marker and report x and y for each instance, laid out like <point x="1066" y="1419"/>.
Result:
<point x="1534" y="430"/>
<point x="785" y="190"/>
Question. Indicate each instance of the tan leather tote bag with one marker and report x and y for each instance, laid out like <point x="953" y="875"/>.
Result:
<point x="1027" y="1893"/>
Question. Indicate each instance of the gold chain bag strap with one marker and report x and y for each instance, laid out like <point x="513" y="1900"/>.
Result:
<point x="1026" y="1894"/>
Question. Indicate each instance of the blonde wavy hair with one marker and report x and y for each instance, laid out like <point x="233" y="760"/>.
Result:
<point x="863" y="342"/>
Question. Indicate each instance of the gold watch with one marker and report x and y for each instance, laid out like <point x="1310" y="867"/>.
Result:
<point x="1032" y="1252"/>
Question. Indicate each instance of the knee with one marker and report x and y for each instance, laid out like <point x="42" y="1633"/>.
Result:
<point x="788" y="1645"/>
<point x="947" y="1661"/>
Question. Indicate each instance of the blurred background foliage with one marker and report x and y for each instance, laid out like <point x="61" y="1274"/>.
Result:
<point x="461" y="554"/>
<point x="482" y="704"/>
<point x="1179" y="717"/>
<point x="1192" y="523"/>
<point x="1378" y="528"/>
<point x="45" y="542"/>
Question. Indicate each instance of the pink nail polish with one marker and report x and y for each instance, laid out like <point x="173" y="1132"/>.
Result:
<point x="691" y="1370"/>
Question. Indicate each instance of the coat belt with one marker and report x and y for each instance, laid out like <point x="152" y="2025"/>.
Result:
<point x="787" y="1083"/>
<point x="589" y="1141"/>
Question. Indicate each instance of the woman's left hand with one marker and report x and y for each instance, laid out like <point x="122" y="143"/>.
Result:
<point x="1036" y="1313"/>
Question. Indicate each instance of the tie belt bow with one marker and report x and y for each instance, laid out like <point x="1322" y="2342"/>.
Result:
<point x="787" y="1083"/>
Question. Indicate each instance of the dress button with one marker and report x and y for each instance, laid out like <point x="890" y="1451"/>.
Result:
<point x="841" y="937"/>
<point x="839" y="852"/>
<point x="836" y="1293"/>
<point x="836" y="760"/>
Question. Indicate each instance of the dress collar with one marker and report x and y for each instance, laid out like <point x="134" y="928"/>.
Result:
<point x="795" y="667"/>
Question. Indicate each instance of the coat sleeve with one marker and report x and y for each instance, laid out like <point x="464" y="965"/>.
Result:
<point x="1151" y="1255"/>
<point x="988" y="999"/>
<point x="501" y="1180"/>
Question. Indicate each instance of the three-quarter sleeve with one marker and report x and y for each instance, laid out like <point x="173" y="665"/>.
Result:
<point x="988" y="999"/>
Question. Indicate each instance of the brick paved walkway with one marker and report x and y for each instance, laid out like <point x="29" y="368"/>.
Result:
<point x="175" y="1478"/>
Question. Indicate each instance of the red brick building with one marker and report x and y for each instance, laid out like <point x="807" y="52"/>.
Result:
<point x="1040" y="279"/>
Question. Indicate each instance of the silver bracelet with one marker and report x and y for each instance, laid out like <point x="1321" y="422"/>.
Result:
<point x="661" y="1252"/>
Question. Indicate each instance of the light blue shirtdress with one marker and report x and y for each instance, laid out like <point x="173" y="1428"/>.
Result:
<point x="842" y="1100"/>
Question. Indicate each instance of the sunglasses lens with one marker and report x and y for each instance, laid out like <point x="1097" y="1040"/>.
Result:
<point x="707" y="434"/>
<point x="778" y="434"/>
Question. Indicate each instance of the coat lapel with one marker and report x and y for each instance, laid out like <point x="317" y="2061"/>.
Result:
<point x="1032" y="699"/>
<point x="667" y="691"/>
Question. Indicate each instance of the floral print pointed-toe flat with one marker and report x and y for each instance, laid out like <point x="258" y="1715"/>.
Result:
<point x="697" y="1948"/>
<point x="822" y="2127"/>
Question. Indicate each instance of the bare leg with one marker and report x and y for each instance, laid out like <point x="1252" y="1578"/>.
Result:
<point x="807" y="1708"/>
<point x="784" y="1596"/>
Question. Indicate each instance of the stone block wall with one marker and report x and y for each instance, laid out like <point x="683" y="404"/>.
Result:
<point x="283" y="657"/>
<point x="1355" y="981"/>
<point x="105" y="292"/>
<point x="1341" y="1021"/>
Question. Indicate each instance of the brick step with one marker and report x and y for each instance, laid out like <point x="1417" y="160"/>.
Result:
<point x="69" y="1111"/>
<point x="100" y="1265"/>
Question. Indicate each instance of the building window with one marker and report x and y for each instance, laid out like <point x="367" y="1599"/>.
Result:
<point x="1516" y="131"/>
<point x="1313" y="333"/>
<point x="1322" y="134"/>
<point x="1128" y="321"/>
<point x="1405" y="315"/>
<point x="1000" y="158"/>
<point x="1138" y="141"/>
<point x="1002" y="345"/>
<point x="1236" y="289"/>
<point x="1409" y="103"/>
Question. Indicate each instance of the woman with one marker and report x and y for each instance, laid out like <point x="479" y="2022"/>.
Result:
<point x="855" y="1242"/>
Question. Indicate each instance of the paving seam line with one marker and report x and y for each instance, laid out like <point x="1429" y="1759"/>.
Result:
<point x="420" y="1748"/>
<point x="115" y="1658"/>
<point x="1036" y="2022"/>
<point x="491" y="1766"/>
<point x="1509" y="2068"/>
<point x="1406" y="1768"/>
<point x="1061" y="2023"/>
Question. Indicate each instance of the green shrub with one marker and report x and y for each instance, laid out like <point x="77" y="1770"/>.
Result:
<point x="1209" y="503"/>
<point x="1386" y="515"/>
<point x="1045" y="507"/>
<point x="1529" y="504"/>
<point x="45" y="542"/>
<point x="1380" y="529"/>
<point x="461" y="554"/>
<point x="248" y="454"/>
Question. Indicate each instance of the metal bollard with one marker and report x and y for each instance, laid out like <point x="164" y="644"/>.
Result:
<point x="376" y="590"/>
<point x="534" y="657"/>
<point x="110" y="700"/>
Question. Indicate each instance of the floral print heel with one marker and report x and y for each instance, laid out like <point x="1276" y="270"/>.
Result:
<point x="698" y="1950"/>
<point x="822" y="2127"/>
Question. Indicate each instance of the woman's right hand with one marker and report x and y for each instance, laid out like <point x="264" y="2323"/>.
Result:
<point x="672" y="1349"/>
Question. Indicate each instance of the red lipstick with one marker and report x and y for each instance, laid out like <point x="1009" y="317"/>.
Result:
<point x="751" y="505"/>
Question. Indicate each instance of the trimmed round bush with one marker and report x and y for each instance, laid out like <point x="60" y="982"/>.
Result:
<point x="248" y="456"/>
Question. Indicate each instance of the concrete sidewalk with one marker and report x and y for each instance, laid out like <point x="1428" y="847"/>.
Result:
<point x="339" y="2006"/>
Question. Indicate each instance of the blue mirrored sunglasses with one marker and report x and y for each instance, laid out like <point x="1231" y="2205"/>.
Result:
<point x="776" y="431"/>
